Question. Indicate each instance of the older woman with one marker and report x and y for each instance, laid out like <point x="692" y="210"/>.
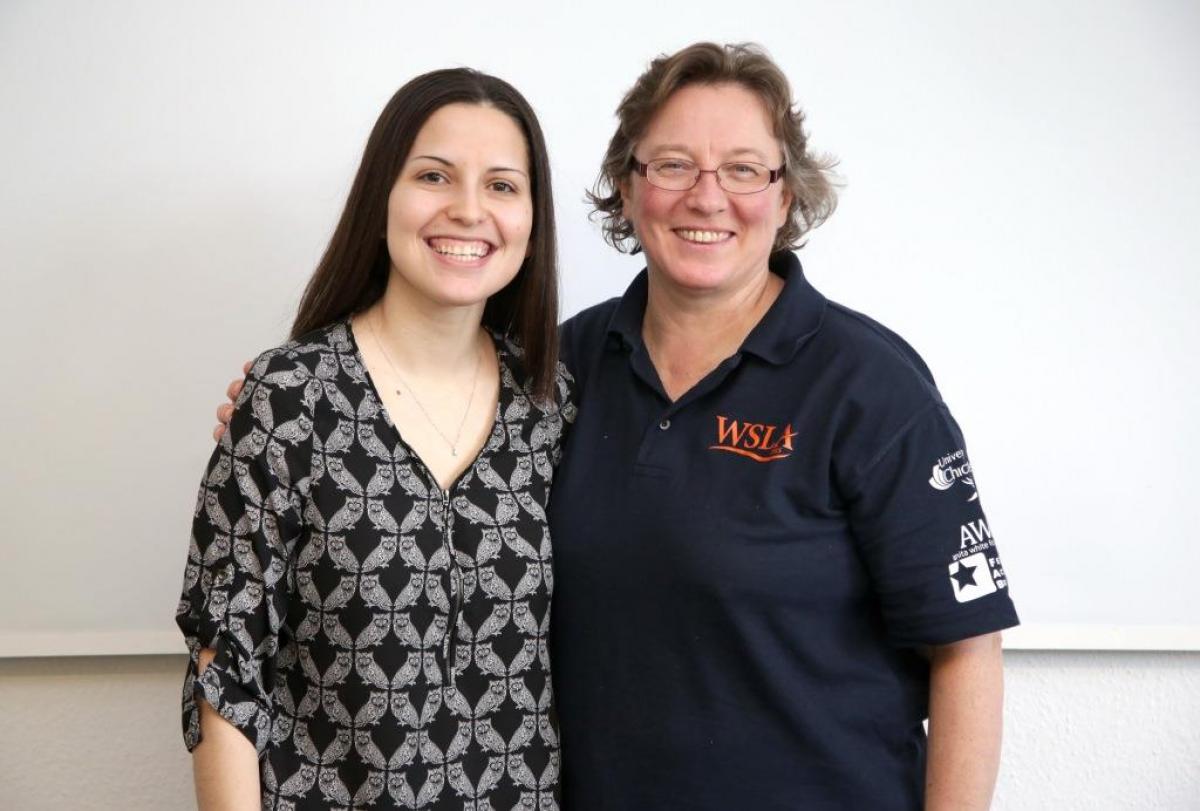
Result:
<point x="771" y="563"/>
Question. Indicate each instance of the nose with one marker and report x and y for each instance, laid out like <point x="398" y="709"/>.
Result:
<point x="467" y="206"/>
<point x="707" y="196"/>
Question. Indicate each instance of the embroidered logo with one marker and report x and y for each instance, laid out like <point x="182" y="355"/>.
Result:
<point x="951" y="468"/>
<point x="976" y="570"/>
<point x="971" y="578"/>
<point x="759" y="441"/>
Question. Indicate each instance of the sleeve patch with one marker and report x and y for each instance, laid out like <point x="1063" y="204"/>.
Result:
<point x="951" y="469"/>
<point x="975" y="570"/>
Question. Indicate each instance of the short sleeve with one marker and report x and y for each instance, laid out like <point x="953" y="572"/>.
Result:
<point x="916" y="515"/>
<point x="247" y="517"/>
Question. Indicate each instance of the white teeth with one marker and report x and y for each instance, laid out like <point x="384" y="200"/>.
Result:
<point x="703" y="236"/>
<point x="462" y="250"/>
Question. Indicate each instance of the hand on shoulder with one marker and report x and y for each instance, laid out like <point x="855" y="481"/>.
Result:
<point x="225" y="410"/>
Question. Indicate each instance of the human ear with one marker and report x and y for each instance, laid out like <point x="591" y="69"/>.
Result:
<point x="624" y="189"/>
<point x="785" y="206"/>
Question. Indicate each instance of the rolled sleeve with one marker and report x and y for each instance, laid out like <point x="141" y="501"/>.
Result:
<point x="247" y="517"/>
<point x="917" y="518"/>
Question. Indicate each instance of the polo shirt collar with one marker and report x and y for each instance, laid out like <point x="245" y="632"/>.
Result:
<point x="795" y="316"/>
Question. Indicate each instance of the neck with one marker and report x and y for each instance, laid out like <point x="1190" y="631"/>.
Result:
<point x="714" y="323"/>
<point x="426" y="340"/>
<point x="689" y="334"/>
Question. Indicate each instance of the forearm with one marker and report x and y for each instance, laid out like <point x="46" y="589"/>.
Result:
<point x="225" y="763"/>
<point x="966" y="698"/>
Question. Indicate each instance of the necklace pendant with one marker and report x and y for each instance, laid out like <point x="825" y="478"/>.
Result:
<point x="453" y="452"/>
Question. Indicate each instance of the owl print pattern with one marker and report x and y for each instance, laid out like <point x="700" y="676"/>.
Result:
<point x="380" y="641"/>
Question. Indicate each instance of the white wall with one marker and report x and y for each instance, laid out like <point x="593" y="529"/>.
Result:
<point x="1083" y="732"/>
<point x="1020" y="204"/>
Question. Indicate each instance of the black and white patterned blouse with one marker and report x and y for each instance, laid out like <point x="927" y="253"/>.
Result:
<point x="381" y="641"/>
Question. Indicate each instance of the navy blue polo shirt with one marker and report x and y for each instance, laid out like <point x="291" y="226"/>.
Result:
<point x="744" y="577"/>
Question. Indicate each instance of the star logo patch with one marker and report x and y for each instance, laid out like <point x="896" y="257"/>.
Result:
<point x="971" y="578"/>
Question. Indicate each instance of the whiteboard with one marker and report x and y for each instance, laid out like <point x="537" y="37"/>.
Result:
<point x="1021" y="203"/>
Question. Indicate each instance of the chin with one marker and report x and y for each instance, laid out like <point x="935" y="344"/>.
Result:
<point x="694" y="275"/>
<point x="455" y="289"/>
<point x="459" y="297"/>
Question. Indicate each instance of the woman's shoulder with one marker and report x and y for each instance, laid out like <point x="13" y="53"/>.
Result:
<point x="515" y="377"/>
<point x="285" y="375"/>
<point x="587" y="329"/>
<point x="874" y="353"/>
<point x="305" y="353"/>
<point x="878" y="386"/>
<point x="315" y="354"/>
<point x="582" y="336"/>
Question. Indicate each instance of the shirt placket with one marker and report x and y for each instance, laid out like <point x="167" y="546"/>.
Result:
<point x="657" y="447"/>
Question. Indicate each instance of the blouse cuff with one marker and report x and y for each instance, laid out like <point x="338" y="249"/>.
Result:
<point x="230" y="698"/>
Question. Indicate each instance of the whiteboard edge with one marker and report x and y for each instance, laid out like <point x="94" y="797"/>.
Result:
<point x="1103" y="638"/>
<point x="15" y="645"/>
<point x="90" y="643"/>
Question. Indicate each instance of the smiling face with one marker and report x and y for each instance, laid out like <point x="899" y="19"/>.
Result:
<point x="707" y="239"/>
<point x="460" y="214"/>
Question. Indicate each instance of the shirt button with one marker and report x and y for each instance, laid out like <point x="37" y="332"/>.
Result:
<point x="664" y="425"/>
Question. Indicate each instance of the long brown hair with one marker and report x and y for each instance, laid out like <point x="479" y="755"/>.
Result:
<point x="353" y="273"/>
<point x="808" y="175"/>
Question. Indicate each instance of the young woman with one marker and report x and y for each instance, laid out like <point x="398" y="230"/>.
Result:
<point x="367" y="592"/>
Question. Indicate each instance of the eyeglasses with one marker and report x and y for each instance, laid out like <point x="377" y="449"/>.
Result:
<point x="736" y="177"/>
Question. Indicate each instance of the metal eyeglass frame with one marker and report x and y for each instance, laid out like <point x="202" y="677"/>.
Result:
<point x="773" y="175"/>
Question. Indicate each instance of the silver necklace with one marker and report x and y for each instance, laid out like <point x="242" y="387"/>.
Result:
<point x="453" y="445"/>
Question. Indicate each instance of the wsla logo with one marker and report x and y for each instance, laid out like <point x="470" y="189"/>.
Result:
<point x="754" y="440"/>
<point x="952" y="468"/>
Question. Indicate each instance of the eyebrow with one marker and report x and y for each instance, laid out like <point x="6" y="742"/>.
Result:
<point x="445" y="162"/>
<point x="745" y="150"/>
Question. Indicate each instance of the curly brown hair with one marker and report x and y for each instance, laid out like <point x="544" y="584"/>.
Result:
<point x="809" y="176"/>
